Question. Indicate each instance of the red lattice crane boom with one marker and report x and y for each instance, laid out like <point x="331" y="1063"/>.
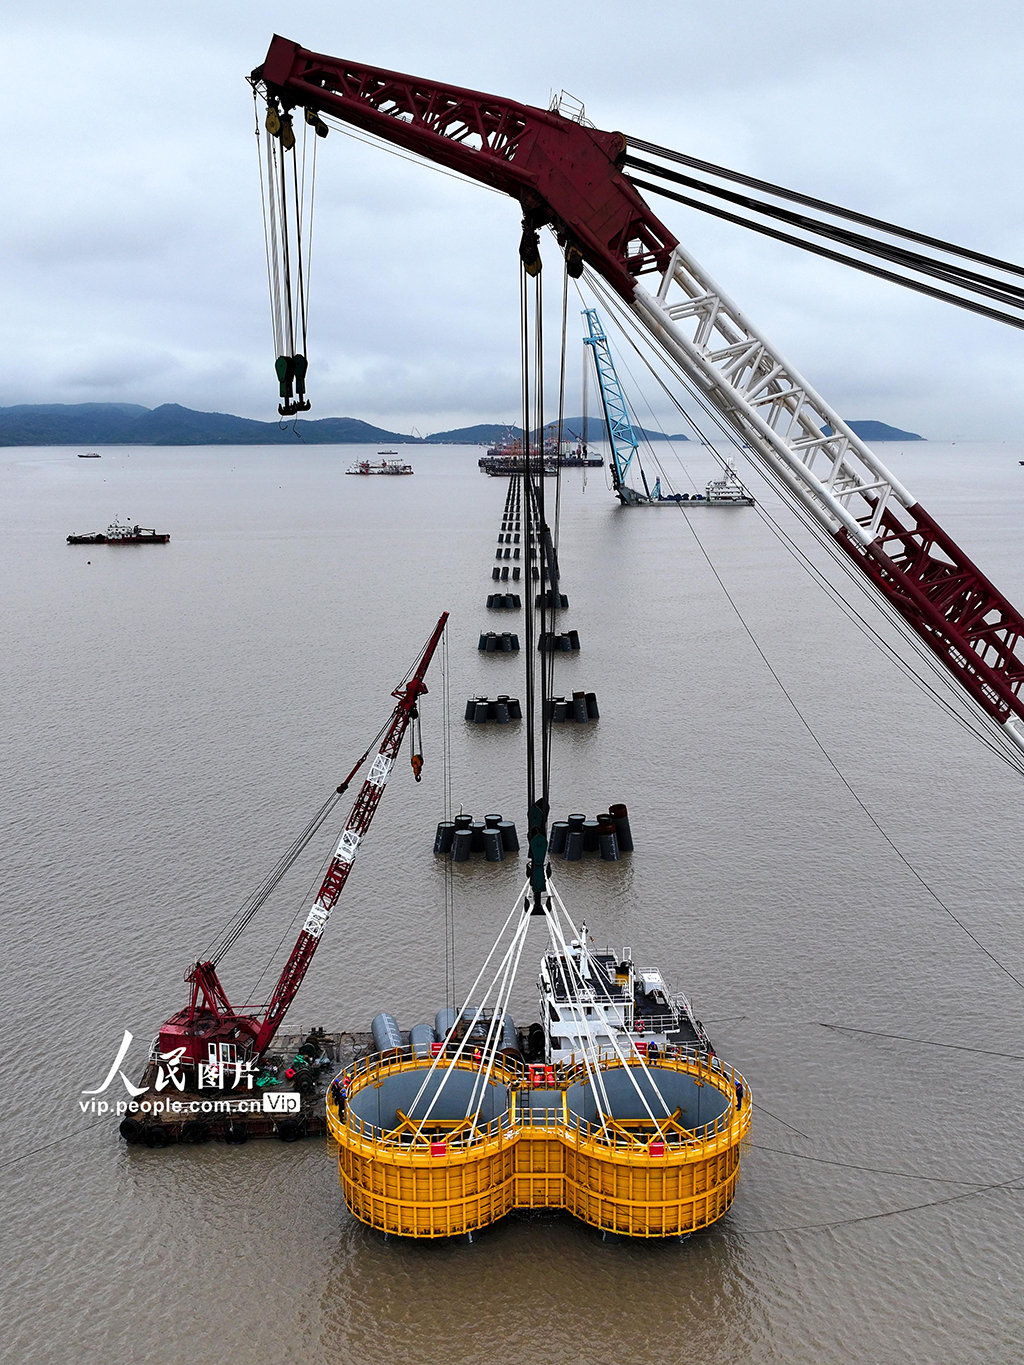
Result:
<point x="208" y="1029"/>
<point x="570" y="176"/>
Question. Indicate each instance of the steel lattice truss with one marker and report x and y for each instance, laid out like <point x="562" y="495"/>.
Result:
<point x="569" y="175"/>
<point x="842" y="483"/>
<point x="620" y="429"/>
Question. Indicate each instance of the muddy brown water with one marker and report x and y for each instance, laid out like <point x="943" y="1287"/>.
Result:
<point x="174" y="714"/>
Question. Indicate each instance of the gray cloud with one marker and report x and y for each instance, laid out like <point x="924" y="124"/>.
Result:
<point x="133" y="240"/>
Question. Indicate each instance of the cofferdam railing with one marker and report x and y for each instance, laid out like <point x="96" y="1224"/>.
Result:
<point x="588" y="1139"/>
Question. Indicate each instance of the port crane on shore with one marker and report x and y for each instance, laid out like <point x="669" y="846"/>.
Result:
<point x="572" y="177"/>
<point x="208" y="1031"/>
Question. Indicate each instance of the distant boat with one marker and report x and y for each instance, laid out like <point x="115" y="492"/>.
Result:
<point x="90" y="455"/>
<point x="385" y="466"/>
<point x="118" y="534"/>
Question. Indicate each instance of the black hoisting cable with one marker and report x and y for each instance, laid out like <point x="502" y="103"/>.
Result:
<point x="1003" y="292"/>
<point x="536" y="539"/>
<point x="766" y="187"/>
<point x="864" y="266"/>
<point x="238" y="922"/>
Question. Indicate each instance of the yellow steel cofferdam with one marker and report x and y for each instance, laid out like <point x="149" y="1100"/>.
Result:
<point x="411" y="1163"/>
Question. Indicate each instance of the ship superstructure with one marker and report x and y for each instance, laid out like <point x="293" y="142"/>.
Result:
<point x="603" y="1003"/>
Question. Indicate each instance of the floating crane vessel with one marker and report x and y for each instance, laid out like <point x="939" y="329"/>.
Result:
<point x="208" y="1041"/>
<point x="639" y="1135"/>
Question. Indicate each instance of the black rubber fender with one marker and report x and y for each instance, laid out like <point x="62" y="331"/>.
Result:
<point x="132" y="1130"/>
<point x="157" y="1136"/>
<point x="291" y="1130"/>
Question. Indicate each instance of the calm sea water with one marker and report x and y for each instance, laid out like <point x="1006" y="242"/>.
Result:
<point x="173" y="715"/>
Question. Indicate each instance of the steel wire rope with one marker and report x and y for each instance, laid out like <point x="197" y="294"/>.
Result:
<point x="529" y="539"/>
<point x="922" y="1042"/>
<point x="917" y="285"/>
<point x="260" y="133"/>
<point x="461" y="1013"/>
<point x="34" y="1151"/>
<point x="277" y="246"/>
<point x="236" y="925"/>
<point x="301" y="290"/>
<point x="872" y="1170"/>
<point x="497" y="1023"/>
<point x="766" y="187"/>
<point x="993" y="737"/>
<point x="315" y="882"/>
<point x="838" y="771"/>
<point x="885" y="1213"/>
<point x="546" y="564"/>
<point x="552" y="583"/>
<point x="591" y="1066"/>
<point x="971" y="280"/>
<point x="318" y="877"/>
<point x="308" y="226"/>
<point x="520" y="929"/>
<point x="244" y="914"/>
<point x="449" y="875"/>
<point x="289" y="318"/>
<point x="370" y="141"/>
<point x="935" y="896"/>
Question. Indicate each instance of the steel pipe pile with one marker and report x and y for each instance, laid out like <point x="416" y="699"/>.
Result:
<point x="608" y="834"/>
<point x="493" y="836"/>
<point x="502" y="709"/>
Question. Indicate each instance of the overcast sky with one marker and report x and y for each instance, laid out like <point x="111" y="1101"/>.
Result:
<point x="133" y="241"/>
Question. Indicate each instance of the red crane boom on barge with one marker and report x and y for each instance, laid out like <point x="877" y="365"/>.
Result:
<point x="208" y="1030"/>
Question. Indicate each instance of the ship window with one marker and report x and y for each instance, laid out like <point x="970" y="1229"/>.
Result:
<point x="559" y="1043"/>
<point x="553" y="1012"/>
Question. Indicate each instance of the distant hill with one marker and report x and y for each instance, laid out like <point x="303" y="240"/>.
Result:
<point x="878" y="431"/>
<point x="62" y="424"/>
<point x="489" y="432"/>
<point x="483" y="433"/>
<point x="56" y="424"/>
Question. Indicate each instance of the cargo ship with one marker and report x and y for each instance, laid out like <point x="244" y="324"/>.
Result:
<point x="118" y="534"/>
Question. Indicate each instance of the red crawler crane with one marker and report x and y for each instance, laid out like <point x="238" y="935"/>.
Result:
<point x="570" y="176"/>
<point x="208" y="1029"/>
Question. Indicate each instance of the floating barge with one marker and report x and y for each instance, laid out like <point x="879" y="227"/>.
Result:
<point x="538" y="1144"/>
<point x="614" y="1107"/>
<point x="118" y="534"/>
<point x="385" y="467"/>
<point x="237" y="1114"/>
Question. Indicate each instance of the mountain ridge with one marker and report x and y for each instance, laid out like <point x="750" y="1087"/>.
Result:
<point x="171" y="424"/>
